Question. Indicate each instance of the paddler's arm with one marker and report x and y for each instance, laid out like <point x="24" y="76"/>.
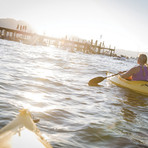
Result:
<point x="128" y="74"/>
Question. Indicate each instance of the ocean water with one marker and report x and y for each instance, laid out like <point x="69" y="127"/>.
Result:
<point x="52" y="84"/>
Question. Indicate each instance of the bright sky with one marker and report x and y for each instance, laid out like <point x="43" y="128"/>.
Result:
<point x="122" y="23"/>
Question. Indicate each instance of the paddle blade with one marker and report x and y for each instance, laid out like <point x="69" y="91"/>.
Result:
<point x="95" y="81"/>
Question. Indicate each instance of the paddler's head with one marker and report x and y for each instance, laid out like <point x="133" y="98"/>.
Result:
<point x="142" y="59"/>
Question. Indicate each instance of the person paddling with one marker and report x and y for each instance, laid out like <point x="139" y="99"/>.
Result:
<point x="138" y="73"/>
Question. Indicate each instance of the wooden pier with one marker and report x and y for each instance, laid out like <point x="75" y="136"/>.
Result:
<point x="64" y="43"/>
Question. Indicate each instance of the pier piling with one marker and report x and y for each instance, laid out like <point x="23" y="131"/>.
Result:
<point x="34" y="39"/>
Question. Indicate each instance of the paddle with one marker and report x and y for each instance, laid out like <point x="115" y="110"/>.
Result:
<point x="95" y="81"/>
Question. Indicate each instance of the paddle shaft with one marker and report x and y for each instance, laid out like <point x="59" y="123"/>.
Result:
<point x="113" y="75"/>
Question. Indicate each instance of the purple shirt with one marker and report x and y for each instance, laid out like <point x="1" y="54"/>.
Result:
<point x="139" y="76"/>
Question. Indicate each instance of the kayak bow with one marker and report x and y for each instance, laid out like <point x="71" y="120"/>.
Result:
<point x="22" y="133"/>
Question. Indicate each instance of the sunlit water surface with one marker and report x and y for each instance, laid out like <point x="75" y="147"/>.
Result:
<point x="52" y="84"/>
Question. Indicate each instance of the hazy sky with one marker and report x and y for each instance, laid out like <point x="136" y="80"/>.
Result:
<point x="122" y="23"/>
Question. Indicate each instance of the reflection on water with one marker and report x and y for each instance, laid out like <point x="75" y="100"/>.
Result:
<point x="132" y="114"/>
<point x="136" y="100"/>
<point x="131" y="102"/>
<point x="52" y="84"/>
<point x="128" y="115"/>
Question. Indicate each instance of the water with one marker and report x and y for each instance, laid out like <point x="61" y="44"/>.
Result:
<point x="52" y="84"/>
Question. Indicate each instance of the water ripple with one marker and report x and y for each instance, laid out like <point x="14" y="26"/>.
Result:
<point x="52" y="84"/>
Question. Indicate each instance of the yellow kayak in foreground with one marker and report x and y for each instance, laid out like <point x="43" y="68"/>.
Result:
<point x="22" y="133"/>
<point x="137" y="86"/>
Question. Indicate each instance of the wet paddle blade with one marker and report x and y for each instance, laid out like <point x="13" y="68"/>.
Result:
<point x="95" y="81"/>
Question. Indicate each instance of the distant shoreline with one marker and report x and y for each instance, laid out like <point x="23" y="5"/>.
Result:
<point x="128" y="53"/>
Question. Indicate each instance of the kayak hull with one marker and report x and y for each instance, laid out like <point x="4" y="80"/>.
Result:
<point x="137" y="86"/>
<point x="22" y="132"/>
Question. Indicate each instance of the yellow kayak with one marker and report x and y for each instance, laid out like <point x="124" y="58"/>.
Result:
<point x="22" y="133"/>
<point x="137" y="86"/>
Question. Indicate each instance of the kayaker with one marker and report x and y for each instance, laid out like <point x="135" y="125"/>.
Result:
<point x="138" y="73"/>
